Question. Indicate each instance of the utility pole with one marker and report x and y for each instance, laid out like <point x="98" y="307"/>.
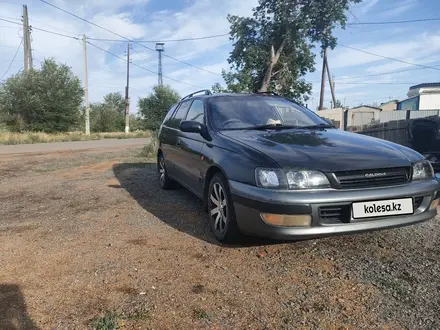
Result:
<point x="127" y="102"/>
<point x="86" y="87"/>
<point x="26" y="41"/>
<point x="330" y="81"/>
<point x="159" y="48"/>
<point x="321" y="98"/>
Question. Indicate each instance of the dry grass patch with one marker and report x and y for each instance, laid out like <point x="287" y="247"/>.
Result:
<point x="39" y="137"/>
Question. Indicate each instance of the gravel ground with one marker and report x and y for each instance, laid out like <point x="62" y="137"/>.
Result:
<point x="88" y="240"/>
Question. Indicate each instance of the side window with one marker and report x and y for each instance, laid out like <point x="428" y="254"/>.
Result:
<point x="166" y="120"/>
<point x="180" y="114"/>
<point x="196" y="112"/>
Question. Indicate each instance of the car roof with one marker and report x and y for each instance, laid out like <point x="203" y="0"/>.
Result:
<point x="214" y="95"/>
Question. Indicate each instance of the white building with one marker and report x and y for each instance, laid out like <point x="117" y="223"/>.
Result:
<point x="422" y="97"/>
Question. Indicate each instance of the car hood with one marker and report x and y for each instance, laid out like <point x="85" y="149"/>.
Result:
<point x="326" y="150"/>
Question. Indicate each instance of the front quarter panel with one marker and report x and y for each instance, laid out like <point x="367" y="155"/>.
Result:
<point x="237" y="160"/>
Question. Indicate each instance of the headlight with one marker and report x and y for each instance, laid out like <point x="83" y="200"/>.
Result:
<point x="268" y="178"/>
<point x="306" y="179"/>
<point x="422" y="170"/>
<point x="290" y="179"/>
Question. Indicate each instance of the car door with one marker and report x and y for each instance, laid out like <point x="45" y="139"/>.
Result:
<point x="173" y="153"/>
<point x="191" y="145"/>
<point x="168" y="136"/>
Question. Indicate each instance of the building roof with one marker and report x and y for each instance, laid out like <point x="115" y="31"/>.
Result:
<point x="435" y="84"/>
<point x="391" y="101"/>
<point x="366" y="106"/>
<point x="409" y="98"/>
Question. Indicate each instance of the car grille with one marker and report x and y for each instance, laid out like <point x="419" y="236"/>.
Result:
<point x="366" y="178"/>
<point x="334" y="214"/>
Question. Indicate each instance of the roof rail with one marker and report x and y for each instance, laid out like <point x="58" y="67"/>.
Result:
<point x="269" y="93"/>
<point x="205" y="91"/>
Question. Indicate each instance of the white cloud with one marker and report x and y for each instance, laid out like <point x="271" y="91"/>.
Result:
<point x="398" y="10"/>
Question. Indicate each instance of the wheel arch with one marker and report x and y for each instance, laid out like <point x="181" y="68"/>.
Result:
<point x="213" y="170"/>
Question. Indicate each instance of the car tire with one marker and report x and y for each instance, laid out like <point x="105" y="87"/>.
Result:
<point x="221" y="218"/>
<point x="164" y="180"/>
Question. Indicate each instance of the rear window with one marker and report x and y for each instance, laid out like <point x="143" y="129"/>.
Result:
<point x="196" y="112"/>
<point x="180" y="114"/>
<point x="169" y="114"/>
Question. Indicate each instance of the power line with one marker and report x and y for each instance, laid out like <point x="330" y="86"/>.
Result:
<point x="378" y="83"/>
<point x="127" y="39"/>
<point x="141" y="67"/>
<point x="381" y="73"/>
<point x="43" y="30"/>
<point x="10" y="64"/>
<point x="165" y="40"/>
<point x="389" y="58"/>
<point x="53" y="27"/>
<point x="395" y="22"/>
<point x="56" y="33"/>
<point x="14" y="3"/>
<point x="17" y="19"/>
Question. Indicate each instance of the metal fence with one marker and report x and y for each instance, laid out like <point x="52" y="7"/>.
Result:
<point x="360" y="121"/>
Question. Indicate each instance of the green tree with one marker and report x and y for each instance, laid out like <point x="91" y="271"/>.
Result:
<point x="108" y="116"/>
<point x="155" y="106"/>
<point x="272" y="49"/>
<point x="217" y="88"/>
<point x="47" y="99"/>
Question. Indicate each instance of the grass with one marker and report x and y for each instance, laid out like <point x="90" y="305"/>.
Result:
<point x="200" y="314"/>
<point x="113" y="321"/>
<point x="106" y="322"/>
<point x="38" y="137"/>
<point x="150" y="151"/>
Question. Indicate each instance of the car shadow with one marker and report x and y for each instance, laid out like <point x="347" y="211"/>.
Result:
<point x="178" y="208"/>
<point x="13" y="311"/>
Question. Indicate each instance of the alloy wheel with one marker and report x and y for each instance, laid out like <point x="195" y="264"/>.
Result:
<point x="219" y="212"/>
<point x="162" y="170"/>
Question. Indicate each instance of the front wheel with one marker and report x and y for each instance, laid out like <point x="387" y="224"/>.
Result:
<point x="221" y="213"/>
<point x="164" y="180"/>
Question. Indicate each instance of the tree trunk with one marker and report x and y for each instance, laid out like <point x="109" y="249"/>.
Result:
<point x="274" y="57"/>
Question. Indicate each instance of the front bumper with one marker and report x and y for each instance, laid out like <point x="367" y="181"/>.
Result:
<point x="250" y="202"/>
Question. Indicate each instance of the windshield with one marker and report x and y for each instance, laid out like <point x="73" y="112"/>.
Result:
<point x="246" y="112"/>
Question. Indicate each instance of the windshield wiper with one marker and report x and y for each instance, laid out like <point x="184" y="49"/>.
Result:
<point x="271" y="126"/>
<point x="317" y="126"/>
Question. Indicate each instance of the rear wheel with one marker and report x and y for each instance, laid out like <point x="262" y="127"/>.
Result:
<point x="164" y="180"/>
<point x="221" y="213"/>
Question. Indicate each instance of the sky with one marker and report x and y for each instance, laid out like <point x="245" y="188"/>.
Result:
<point x="355" y="73"/>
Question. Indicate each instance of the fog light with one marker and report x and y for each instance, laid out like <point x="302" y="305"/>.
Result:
<point x="285" y="220"/>
<point x="434" y="204"/>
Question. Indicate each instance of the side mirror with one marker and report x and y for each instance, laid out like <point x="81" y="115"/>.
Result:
<point x="191" y="126"/>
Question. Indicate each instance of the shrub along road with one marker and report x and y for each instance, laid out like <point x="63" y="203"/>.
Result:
<point x="88" y="239"/>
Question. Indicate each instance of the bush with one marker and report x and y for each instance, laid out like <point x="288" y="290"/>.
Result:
<point x="150" y="151"/>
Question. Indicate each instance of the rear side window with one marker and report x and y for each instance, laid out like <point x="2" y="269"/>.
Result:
<point x="196" y="112"/>
<point x="166" y="120"/>
<point x="180" y="114"/>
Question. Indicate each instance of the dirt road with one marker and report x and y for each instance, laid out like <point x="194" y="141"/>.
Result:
<point x="65" y="146"/>
<point x="88" y="240"/>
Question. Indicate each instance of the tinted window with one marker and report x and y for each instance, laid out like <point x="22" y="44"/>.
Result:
<point x="196" y="112"/>
<point x="237" y="112"/>
<point x="180" y="114"/>
<point x="166" y="120"/>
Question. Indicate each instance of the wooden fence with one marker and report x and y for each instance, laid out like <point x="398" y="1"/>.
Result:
<point x="395" y="131"/>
